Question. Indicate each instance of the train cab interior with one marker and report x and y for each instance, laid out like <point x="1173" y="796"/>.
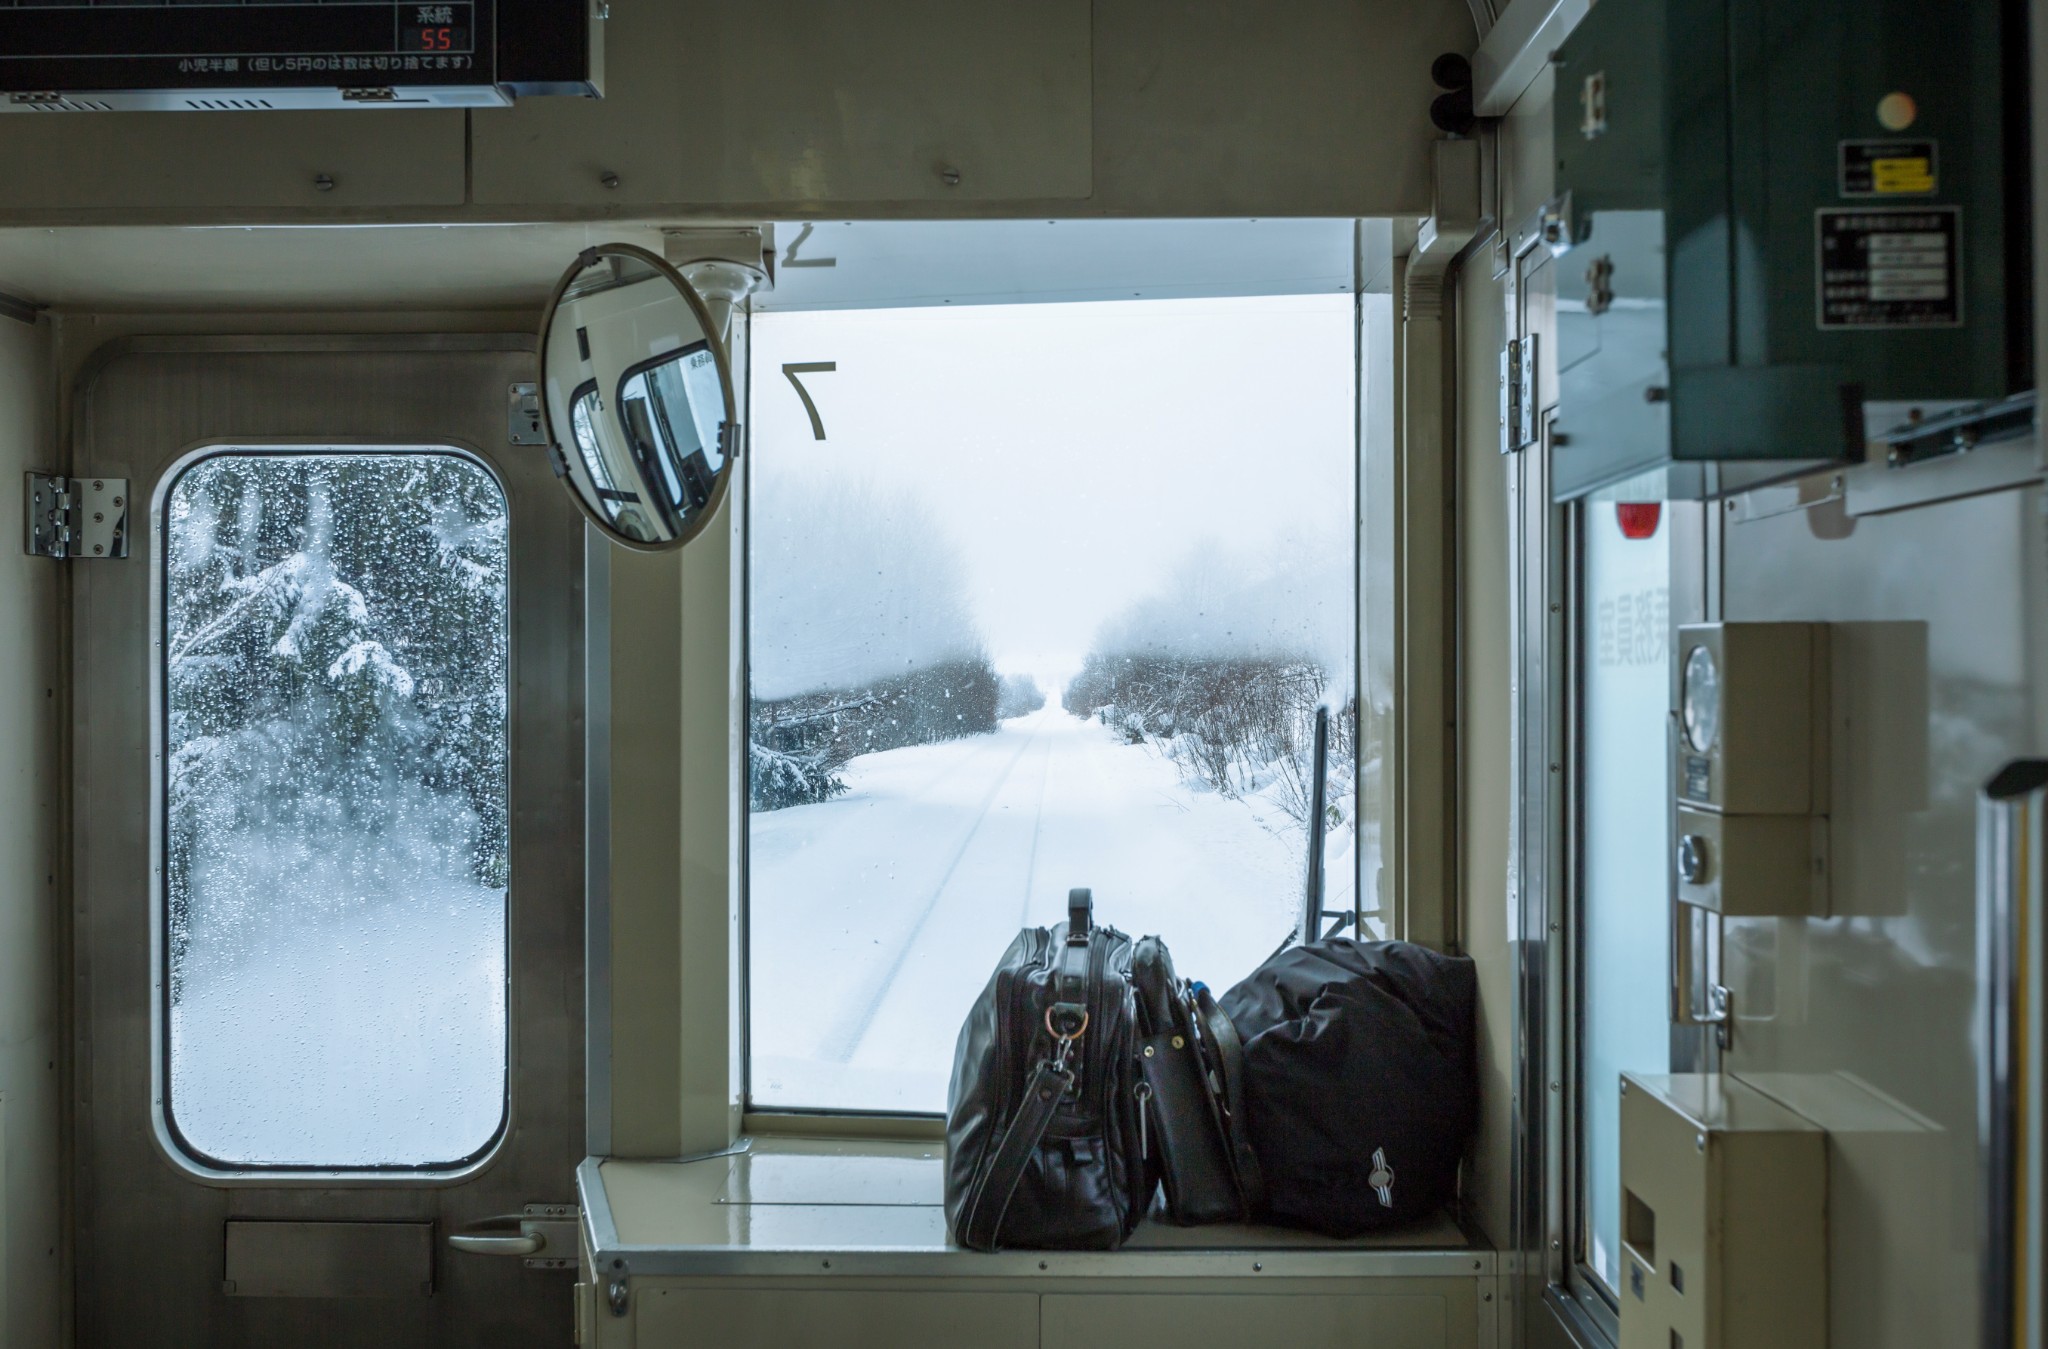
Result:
<point x="597" y="580"/>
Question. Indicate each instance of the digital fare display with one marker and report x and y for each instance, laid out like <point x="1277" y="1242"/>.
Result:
<point x="174" y="44"/>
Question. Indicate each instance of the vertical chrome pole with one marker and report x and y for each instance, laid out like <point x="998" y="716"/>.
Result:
<point x="2012" y="854"/>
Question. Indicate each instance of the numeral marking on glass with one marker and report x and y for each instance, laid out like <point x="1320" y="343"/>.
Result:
<point x="790" y="259"/>
<point x="791" y="370"/>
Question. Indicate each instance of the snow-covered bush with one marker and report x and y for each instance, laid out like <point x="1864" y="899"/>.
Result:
<point x="1223" y="669"/>
<point x="820" y="731"/>
<point x="1018" y="696"/>
<point x="860" y="635"/>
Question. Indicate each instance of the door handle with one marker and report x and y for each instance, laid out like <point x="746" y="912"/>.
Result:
<point x="499" y="1243"/>
<point x="543" y="1235"/>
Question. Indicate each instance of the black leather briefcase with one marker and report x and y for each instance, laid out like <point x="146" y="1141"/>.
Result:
<point x="1045" y="1139"/>
<point x="1193" y="1081"/>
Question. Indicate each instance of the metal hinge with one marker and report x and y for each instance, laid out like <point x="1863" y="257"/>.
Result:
<point x="522" y="415"/>
<point x="1518" y="394"/>
<point x="76" y="517"/>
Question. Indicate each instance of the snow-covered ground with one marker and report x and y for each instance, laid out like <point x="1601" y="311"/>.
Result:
<point x="370" y="1036"/>
<point x="875" y="918"/>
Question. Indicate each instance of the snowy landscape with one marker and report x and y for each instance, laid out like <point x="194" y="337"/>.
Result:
<point x="335" y="703"/>
<point x="897" y="897"/>
<point x="985" y="673"/>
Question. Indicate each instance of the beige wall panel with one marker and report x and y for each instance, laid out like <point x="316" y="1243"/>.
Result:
<point x="1298" y="1320"/>
<point x="712" y="702"/>
<point x="646" y="852"/>
<point x="1528" y="172"/>
<point x="201" y="163"/>
<point x="30" y="960"/>
<point x="1486" y="773"/>
<point x="809" y="102"/>
<point x="1251" y="107"/>
<point x="790" y="108"/>
<point x="738" y="1318"/>
<point x="1883" y="992"/>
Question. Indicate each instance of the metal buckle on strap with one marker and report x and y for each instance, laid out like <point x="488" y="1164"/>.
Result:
<point x="1066" y="1030"/>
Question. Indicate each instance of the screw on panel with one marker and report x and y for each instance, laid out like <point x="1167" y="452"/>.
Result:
<point x="323" y="182"/>
<point x="609" y="179"/>
<point x="950" y="177"/>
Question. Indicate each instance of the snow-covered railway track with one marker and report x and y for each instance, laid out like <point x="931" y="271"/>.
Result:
<point x="852" y="1030"/>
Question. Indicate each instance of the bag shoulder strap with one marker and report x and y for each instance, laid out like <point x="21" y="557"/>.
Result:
<point x="1222" y="1033"/>
<point x="983" y="1222"/>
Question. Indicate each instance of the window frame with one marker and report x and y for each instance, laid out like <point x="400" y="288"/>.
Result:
<point x="643" y="370"/>
<point x="1588" y="1291"/>
<point x="169" y="1140"/>
<point x="842" y="1121"/>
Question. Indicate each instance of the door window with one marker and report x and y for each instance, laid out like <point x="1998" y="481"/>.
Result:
<point x="334" y="858"/>
<point x="1624" y="836"/>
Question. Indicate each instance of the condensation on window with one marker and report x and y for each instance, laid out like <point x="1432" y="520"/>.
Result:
<point x="335" y="859"/>
<point x="1052" y="604"/>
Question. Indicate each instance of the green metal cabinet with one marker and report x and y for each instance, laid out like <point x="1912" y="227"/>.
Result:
<point x="1759" y="266"/>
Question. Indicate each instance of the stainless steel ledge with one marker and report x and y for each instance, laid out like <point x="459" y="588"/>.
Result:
<point x="885" y="1253"/>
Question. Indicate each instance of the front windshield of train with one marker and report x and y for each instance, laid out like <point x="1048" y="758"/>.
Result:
<point x="1052" y="602"/>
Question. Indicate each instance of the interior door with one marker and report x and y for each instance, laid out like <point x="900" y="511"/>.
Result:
<point x="327" y="852"/>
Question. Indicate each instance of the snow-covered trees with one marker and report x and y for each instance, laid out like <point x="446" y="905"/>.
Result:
<point x="335" y="644"/>
<point x="1018" y="696"/>
<point x="1224" y="669"/>
<point x="860" y="635"/>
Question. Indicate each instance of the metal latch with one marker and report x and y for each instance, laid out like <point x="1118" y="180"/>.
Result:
<point x="76" y="517"/>
<point x="542" y="1235"/>
<point x="522" y="415"/>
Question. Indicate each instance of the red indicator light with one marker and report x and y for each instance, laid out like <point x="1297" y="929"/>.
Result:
<point x="1638" y="519"/>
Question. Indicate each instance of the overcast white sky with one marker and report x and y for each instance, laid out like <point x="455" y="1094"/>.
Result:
<point x="1076" y="453"/>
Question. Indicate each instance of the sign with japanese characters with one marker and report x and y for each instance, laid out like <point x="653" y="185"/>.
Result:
<point x="1889" y="268"/>
<point x="60" y="45"/>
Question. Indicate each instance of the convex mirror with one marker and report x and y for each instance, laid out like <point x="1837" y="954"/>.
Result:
<point x="637" y="395"/>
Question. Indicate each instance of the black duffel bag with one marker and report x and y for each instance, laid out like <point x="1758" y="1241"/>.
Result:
<point x="1044" y="1141"/>
<point x="1361" y="1083"/>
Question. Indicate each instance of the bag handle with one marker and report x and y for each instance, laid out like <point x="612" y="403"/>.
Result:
<point x="1080" y="915"/>
<point x="1042" y="1095"/>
